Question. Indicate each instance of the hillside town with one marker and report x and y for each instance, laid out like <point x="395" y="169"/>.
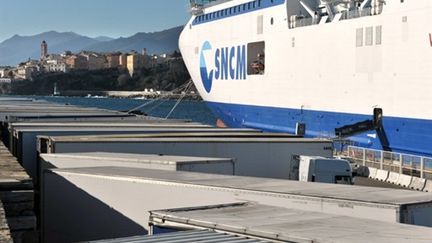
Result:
<point x="85" y="60"/>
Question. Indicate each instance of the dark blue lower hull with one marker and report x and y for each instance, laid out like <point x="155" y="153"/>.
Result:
<point x="404" y="135"/>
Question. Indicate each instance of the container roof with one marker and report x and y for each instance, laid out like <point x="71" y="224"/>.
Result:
<point x="121" y="123"/>
<point x="221" y="136"/>
<point x="148" y="158"/>
<point x="202" y="236"/>
<point x="276" y="223"/>
<point x="270" y="187"/>
<point x="119" y="129"/>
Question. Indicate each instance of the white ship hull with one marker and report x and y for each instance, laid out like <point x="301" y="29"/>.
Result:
<point x="325" y="75"/>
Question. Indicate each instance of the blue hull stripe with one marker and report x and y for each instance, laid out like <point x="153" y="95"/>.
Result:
<point x="405" y="135"/>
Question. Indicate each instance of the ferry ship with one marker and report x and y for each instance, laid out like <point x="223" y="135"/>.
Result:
<point x="356" y="70"/>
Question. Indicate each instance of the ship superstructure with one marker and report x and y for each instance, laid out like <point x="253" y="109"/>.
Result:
<point x="351" y="69"/>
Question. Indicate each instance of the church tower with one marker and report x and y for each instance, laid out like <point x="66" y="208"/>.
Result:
<point x="44" y="49"/>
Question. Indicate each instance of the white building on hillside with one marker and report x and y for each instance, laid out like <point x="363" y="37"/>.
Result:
<point x="55" y="66"/>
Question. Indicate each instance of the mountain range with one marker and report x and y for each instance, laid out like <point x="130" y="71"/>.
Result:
<point x="20" y="48"/>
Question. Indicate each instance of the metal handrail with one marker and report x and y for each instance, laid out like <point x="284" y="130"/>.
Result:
<point x="409" y="164"/>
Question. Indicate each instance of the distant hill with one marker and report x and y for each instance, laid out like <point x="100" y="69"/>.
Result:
<point x="157" y="42"/>
<point x="20" y="48"/>
<point x="103" y="38"/>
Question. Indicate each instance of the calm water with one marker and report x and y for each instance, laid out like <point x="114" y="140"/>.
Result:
<point x="191" y="110"/>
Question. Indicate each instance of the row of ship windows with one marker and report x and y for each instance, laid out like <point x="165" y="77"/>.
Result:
<point x="365" y="36"/>
<point x="230" y="11"/>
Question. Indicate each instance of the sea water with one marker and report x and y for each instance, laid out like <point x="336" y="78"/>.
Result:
<point x="196" y="111"/>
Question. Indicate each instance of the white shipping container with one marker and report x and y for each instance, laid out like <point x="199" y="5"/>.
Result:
<point x="261" y="155"/>
<point x="107" y="202"/>
<point x="223" y="166"/>
<point x="24" y="142"/>
<point x="285" y="225"/>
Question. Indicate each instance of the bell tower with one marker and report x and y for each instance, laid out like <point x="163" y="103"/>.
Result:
<point x="44" y="49"/>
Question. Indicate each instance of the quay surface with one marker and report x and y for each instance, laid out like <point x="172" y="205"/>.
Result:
<point x="4" y="228"/>
<point x="17" y="197"/>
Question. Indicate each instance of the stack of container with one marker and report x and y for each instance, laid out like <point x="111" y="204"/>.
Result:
<point x="103" y="174"/>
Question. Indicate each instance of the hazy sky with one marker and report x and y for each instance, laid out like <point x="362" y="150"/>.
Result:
<point x="93" y="18"/>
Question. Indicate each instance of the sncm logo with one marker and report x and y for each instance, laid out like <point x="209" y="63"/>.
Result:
<point x="206" y="77"/>
<point x="229" y="64"/>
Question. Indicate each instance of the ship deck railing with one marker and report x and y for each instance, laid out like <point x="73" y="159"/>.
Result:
<point x="407" y="164"/>
<point x="346" y="15"/>
<point x="206" y="3"/>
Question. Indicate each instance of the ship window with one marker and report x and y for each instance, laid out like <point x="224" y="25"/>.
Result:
<point x="239" y="8"/>
<point x="253" y="5"/>
<point x="359" y="37"/>
<point x="260" y="24"/>
<point x="256" y="58"/>
<point x="378" y="35"/>
<point x="249" y="5"/>
<point x="226" y="11"/>
<point x="244" y="7"/>
<point x="369" y="36"/>
<point x="259" y="3"/>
